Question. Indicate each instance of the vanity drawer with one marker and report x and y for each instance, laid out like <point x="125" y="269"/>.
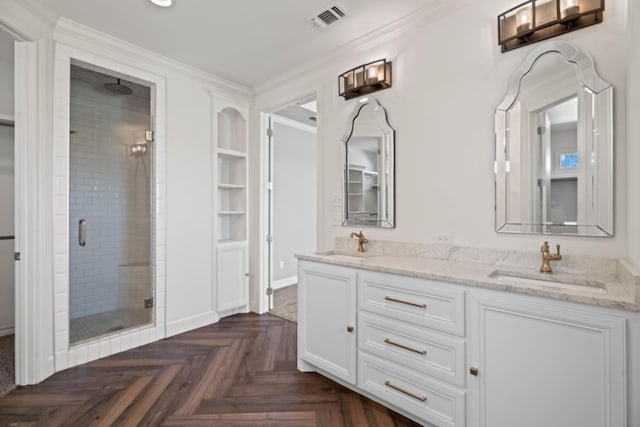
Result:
<point x="427" y="399"/>
<point x="421" y="302"/>
<point x="427" y="352"/>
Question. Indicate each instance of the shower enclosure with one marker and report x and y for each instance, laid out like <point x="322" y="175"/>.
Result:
<point x="110" y="204"/>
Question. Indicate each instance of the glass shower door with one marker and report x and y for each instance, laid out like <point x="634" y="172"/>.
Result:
<point x="110" y="204"/>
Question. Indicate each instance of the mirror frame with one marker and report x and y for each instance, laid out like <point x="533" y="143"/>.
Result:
<point x="389" y="220"/>
<point x="588" y="76"/>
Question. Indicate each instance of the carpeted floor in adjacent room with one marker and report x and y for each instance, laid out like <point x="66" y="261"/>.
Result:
<point x="7" y="364"/>
<point x="285" y="303"/>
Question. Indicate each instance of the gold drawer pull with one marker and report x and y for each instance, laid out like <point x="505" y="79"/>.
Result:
<point x="388" y="341"/>
<point x="408" y="393"/>
<point x="406" y="302"/>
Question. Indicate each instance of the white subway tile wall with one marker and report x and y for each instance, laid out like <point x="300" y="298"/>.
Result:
<point x="110" y="188"/>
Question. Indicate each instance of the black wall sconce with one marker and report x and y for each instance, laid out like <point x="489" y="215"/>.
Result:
<point x="365" y="79"/>
<point x="537" y="20"/>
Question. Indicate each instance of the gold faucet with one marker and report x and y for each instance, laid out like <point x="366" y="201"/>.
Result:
<point x="547" y="256"/>
<point x="361" y="240"/>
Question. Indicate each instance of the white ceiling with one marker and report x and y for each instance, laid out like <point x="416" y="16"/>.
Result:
<point x="245" y="41"/>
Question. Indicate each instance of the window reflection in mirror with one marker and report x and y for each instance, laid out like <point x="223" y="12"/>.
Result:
<point x="368" y="149"/>
<point x="554" y="147"/>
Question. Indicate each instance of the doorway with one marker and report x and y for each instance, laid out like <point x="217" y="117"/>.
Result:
<point x="7" y="206"/>
<point x="110" y="269"/>
<point x="110" y="195"/>
<point x="292" y="208"/>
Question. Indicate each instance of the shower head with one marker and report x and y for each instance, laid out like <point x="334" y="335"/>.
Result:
<point x="118" y="88"/>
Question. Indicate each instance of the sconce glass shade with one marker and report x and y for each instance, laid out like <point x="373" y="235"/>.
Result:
<point x="537" y="20"/>
<point x="365" y="79"/>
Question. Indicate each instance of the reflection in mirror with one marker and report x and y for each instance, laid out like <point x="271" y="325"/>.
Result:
<point x="554" y="147"/>
<point x="368" y="153"/>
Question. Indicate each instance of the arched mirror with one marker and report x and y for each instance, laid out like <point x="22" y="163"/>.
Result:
<point x="368" y="153"/>
<point x="554" y="147"/>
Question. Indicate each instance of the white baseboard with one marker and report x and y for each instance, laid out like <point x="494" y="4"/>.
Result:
<point x="7" y="330"/>
<point x="238" y="310"/>
<point x="193" y="322"/>
<point x="283" y="283"/>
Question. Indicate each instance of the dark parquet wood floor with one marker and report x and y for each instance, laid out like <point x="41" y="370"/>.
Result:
<point x="239" y="372"/>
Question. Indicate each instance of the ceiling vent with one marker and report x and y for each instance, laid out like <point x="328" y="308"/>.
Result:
<point x="328" y="15"/>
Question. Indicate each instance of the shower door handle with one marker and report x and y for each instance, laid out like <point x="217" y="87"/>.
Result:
<point x="82" y="232"/>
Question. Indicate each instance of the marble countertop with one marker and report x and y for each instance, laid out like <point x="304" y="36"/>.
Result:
<point x="618" y="289"/>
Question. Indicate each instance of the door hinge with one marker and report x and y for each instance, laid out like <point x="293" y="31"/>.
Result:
<point x="269" y="238"/>
<point x="149" y="136"/>
<point x="148" y="302"/>
<point x="541" y="130"/>
<point x="270" y="186"/>
<point x="269" y="132"/>
<point x="16" y="256"/>
<point x="269" y="291"/>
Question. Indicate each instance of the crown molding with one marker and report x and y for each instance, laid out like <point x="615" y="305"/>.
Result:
<point x="26" y="20"/>
<point x="83" y="37"/>
<point x="428" y="13"/>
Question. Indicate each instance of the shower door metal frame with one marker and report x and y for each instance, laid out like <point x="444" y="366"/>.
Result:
<point x="66" y="355"/>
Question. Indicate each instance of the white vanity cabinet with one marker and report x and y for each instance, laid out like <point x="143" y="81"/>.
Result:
<point x="545" y="363"/>
<point x="411" y="346"/>
<point x="327" y="319"/>
<point x="451" y="355"/>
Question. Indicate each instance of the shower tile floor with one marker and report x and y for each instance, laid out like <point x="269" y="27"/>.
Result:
<point x="96" y="325"/>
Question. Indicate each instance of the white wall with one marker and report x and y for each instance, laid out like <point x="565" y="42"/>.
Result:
<point x="449" y="76"/>
<point x="294" y="184"/>
<point x="633" y="132"/>
<point x="190" y="278"/>
<point x="188" y="240"/>
<point x="6" y="74"/>
<point x="6" y="228"/>
<point x="6" y="185"/>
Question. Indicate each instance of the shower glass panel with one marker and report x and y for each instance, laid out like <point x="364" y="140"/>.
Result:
<point x="110" y="204"/>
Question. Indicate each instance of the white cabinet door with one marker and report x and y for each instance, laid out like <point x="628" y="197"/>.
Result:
<point x="327" y="318"/>
<point x="232" y="266"/>
<point x="545" y="364"/>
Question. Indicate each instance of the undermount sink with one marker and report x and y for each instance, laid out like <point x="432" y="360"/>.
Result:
<point x="558" y="281"/>
<point x="355" y="256"/>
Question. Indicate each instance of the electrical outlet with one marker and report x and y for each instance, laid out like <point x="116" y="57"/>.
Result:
<point x="443" y="239"/>
<point x="336" y="199"/>
<point x="281" y="265"/>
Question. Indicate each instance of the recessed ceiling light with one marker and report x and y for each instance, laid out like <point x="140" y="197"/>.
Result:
<point x="162" y="3"/>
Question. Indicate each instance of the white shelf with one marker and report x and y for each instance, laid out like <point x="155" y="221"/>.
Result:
<point x="230" y="242"/>
<point x="232" y="186"/>
<point x="231" y="213"/>
<point x="223" y="152"/>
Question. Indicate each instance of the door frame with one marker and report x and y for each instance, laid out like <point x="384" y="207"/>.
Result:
<point x="265" y="212"/>
<point x="65" y="355"/>
<point x="33" y="282"/>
